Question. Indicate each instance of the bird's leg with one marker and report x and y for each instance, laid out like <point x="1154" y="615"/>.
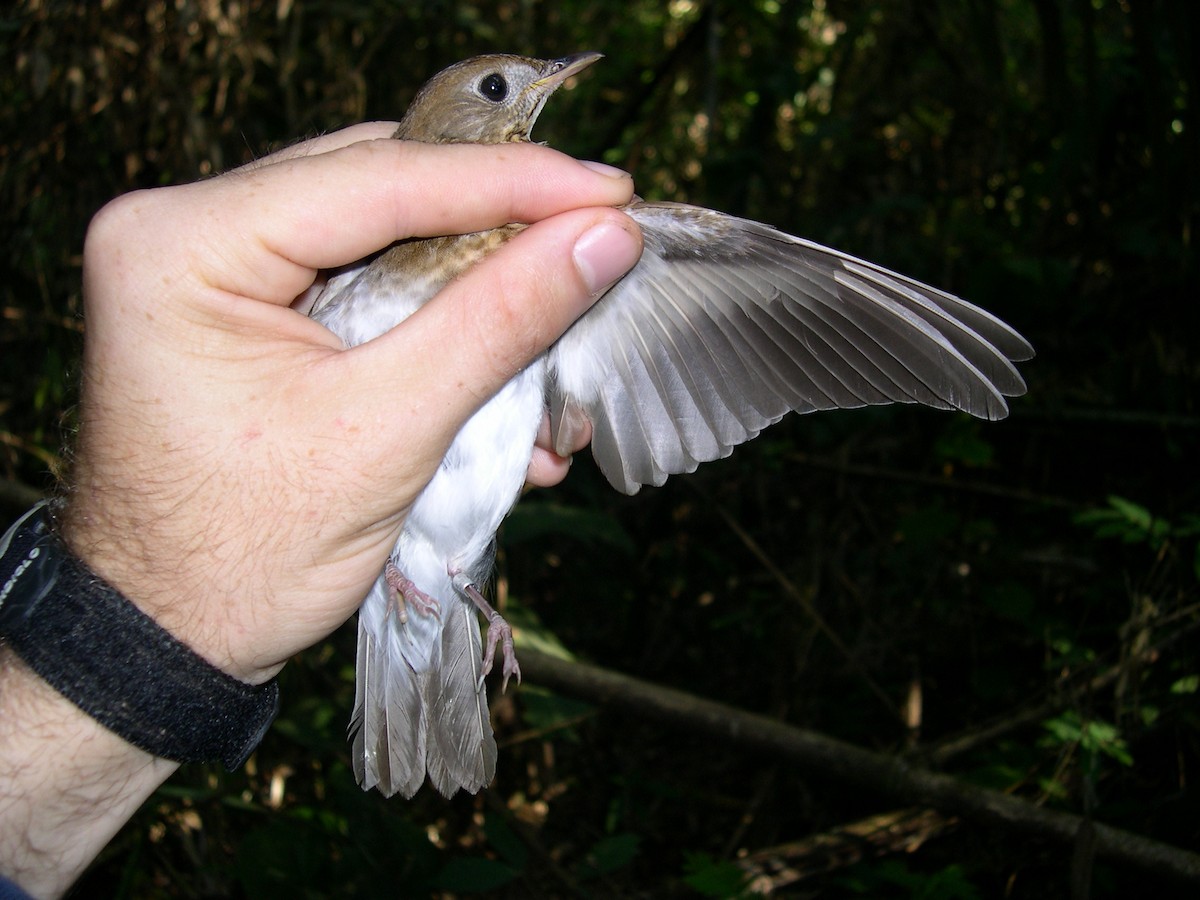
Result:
<point x="407" y="594"/>
<point x="499" y="632"/>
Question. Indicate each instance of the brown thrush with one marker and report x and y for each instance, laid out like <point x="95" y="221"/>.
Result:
<point x="723" y="327"/>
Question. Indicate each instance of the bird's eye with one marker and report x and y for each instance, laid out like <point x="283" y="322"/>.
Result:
<point x="494" y="87"/>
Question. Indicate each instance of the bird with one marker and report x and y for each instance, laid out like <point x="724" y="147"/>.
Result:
<point x="723" y="327"/>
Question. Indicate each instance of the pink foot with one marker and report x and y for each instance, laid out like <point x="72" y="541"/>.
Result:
<point x="406" y="594"/>
<point x="499" y="632"/>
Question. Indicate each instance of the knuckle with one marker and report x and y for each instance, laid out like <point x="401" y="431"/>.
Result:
<point x="112" y="224"/>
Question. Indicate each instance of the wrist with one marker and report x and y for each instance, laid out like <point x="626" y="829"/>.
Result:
<point x="138" y="544"/>
<point x="67" y="784"/>
<point x="107" y="657"/>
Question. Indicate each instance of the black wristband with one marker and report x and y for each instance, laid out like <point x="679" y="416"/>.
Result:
<point x="114" y="662"/>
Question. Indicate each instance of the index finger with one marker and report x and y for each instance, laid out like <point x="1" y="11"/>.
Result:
<point x="324" y="143"/>
<point x="263" y="232"/>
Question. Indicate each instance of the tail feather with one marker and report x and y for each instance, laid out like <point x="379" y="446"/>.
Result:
<point x="359" y="730"/>
<point x="389" y="722"/>
<point x="420" y="709"/>
<point x="462" y="748"/>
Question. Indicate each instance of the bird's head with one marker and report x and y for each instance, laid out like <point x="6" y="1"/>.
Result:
<point x="487" y="99"/>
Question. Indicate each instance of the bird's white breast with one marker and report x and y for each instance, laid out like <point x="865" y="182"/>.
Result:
<point x="452" y="524"/>
<point x="455" y="517"/>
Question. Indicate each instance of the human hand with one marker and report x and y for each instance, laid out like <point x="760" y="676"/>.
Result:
<point x="240" y="476"/>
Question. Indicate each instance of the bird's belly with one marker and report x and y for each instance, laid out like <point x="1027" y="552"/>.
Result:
<point x="453" y="521"/>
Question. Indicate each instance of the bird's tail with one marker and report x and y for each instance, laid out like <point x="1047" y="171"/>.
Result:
<point x="420" y="705"/>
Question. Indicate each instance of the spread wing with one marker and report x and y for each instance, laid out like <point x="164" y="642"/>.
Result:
<point x="726" y="325"/>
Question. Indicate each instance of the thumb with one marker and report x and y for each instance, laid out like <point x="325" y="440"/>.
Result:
<point x="483" y="328"/>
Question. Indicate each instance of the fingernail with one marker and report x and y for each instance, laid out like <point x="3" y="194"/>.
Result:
<point x="605" y="169"/>
<point x="603" y="254"/>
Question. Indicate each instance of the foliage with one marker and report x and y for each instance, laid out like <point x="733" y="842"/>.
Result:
<point x="1035" y="156"/>
<point x="895" y="879"/>
<point x="1134" y="524"/>
<point x="710" y="877"/>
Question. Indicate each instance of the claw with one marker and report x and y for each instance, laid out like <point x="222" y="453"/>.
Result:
<point x="406" y="594"/>
<point x="499" y="632"/>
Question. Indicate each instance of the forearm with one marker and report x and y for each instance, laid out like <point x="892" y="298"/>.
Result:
<point x="67" y="784"/>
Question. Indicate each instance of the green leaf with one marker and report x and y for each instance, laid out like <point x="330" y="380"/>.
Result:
<point x="1127" y="521"/>
<point x="276" y="856"/>
<point x="609" y="854"/>
<point x="543" y="710"/>
<point x="896" y="878"/>
<point x="530" y="633"/>
<point x="505" y="841"/>
<point x="1092" y="735"/>
<point x="713" y="877"/>
<point x="1011" y="601"/>
<point x="962" y="442"/>
<point x="1135" y="514"/>
<point x="1189" y="684"/>
<point x="535" y="521"/>
<point x="474" y="874"/>
<point x="926" y="526"/>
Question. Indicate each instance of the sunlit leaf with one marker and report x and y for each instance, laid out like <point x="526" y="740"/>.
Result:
<point x="1189" y="684"/>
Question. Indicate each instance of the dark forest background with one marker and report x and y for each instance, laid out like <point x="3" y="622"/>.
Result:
<point x="1015" y="602"/>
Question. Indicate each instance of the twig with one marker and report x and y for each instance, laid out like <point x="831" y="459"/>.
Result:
<point x="19" y="443"/>
<point x="537" y="734"/>
<point x="528" y="836"/>
<point x="1138" y="418"/>
<point x="811" y="611"/>
<point x="835" y="758"/>
<point x="942" y="752"/>
<point x="766" y="783"/>
<point x="905" y="830"/>
<point x="960" y="486"/>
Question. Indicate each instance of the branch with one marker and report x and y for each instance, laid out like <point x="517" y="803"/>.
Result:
<point x="831" y="757"/>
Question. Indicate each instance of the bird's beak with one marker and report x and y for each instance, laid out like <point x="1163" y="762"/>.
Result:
<point x="562" y="69"/>
<point x="557" y="71"/>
